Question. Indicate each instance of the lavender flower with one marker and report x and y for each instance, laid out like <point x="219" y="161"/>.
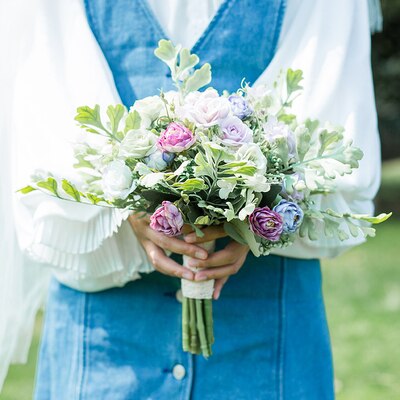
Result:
<point x="235" y="132"/>
<point x="274" y="129"/>
<point x="240" y="106"/>
<point x="291" y="214"/>
<point x="266" y="223"/>
<point x="176" y="138"/>
<point x="167" y="219"/>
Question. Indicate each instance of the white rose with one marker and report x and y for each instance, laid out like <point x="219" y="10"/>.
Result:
<point x="117" y="181"/>
<point x="251" y="152"/>
<point x="137" y="143"/>
<point x="204" y="108"/>
<point x="149" y="109"/>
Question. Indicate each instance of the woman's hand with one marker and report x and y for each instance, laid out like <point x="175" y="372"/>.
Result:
<point x="221" y="264"/>
<point x="154" y="243"/>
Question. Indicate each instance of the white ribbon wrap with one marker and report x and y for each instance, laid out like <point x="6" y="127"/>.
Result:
<point x="198" y="290"/>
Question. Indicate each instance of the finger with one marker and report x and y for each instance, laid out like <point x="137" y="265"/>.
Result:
<point x="177" y="246"/>
<point x="229" y="255"/>
<point x="210" y="233"/>
<point x="219" y="284"/>
<point x="186" y="229"/>
<point x="164" y="264"/>
<point x="217" y="273"/>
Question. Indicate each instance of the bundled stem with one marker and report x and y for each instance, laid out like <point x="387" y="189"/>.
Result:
<point x="197" y="326"/>
<point x="185" y="325"/>
<point x="201" y="329"/>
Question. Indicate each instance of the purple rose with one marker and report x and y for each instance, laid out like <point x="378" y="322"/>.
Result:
<point x="266" y="223"/>
<point x="235" y="132"/>
<point x="291" y="214"/>
<point x="176" y="138"/>
<point x="167" y="219"/>
<point x="240" y="106"/>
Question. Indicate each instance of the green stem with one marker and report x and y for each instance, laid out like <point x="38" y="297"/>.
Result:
<point x="185" y="324"/>
<point x="194" y="342"/>
<point x="209" y="321"/>
<point x="201" y="328"/>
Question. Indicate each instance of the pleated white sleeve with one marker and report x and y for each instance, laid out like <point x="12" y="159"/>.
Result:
<point x="90" y="248"/>
<point x="330" y="42"/>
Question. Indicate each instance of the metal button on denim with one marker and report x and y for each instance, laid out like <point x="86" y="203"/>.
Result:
<point x="179" y="372"/>
<point x="179" y="295"/>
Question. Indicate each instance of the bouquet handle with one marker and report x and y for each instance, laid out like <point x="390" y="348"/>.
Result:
<point x="197" y="320"/>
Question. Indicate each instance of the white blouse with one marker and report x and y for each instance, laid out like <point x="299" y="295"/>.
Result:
<point x="94" y="248"/>
<point x="60" y="66"/>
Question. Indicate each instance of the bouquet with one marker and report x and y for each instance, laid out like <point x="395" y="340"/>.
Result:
<point x="201" y="158"/>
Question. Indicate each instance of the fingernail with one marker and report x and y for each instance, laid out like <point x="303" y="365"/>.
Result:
<point x="188" y="275"/>
<point x="190" y="238"/>
<point x="201" y="277"/>
<point x="216" y="295"/>
<point x="201" y="254"/>
<point x="193" y="263"/>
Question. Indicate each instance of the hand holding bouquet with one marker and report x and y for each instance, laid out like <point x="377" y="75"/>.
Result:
<point x="240" y="160"/>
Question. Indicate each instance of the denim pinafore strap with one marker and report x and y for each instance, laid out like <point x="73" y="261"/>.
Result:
<point x="272" y="340"/>
<point x="239" y="42"/>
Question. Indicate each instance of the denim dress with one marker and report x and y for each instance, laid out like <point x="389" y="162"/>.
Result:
<point x="272" y="340"/>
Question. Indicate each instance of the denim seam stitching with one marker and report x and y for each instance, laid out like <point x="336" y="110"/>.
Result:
<point x="281" y="330"/>
<point x="83" y="351"/>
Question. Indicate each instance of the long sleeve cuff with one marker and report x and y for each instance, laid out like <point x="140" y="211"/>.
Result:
<point x="90" y="248"/>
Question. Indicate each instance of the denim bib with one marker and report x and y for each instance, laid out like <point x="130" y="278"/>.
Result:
<point x="239" y="42"/>
<point x="272" y="340"/>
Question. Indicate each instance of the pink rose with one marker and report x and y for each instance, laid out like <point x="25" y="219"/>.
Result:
<point x="176" y="138"/>
<point x="205" y="108"/>
<point x="167" y="219"/>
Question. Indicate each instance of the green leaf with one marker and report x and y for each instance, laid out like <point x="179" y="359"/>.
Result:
<point x="191" y="185"/>
<point x="50" y="184"/>
<point x="82" y="163"/>
<point x="243" y="230"/>
<point x="71" y="190"/>
<point x="203" y="167"/>
<point x="115" y="113"/>
<point x="200" y="78"/>
<point x="327" y="138"/>
<point x="26" y="189"/>
<point x="311" y="125"/>
<point x="166" y="51"/>
<point x="303" y="141"/>
<point x="287" y="118"/>
<point x="245" y="170"/>
<point x="307" y="228"/>
<point x="89" y="117"/>
<point x="94" y="199"/>
<point x="293" y="78"/>
<point x="354" y="229"/>
<point x="373" y="220"/>
<point x="233" y="233"/>
<point x="132" y="121"/>
<point x="203" y="220"/>
<point x="186" y="60"/>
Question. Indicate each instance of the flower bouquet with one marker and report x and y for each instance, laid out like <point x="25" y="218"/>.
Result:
<point x="200" y="158"/>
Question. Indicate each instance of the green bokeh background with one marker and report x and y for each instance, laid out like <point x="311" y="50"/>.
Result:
<point x="362" y="287"/>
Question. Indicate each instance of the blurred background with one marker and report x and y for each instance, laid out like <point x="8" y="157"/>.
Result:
<point x="362" y="287"/>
